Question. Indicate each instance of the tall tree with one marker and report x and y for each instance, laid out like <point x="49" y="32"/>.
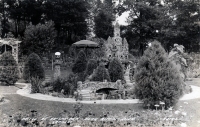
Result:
<point x="186" y="17"/>
<point x="157" y="79"/>
<point x="169" y="21"/>
<point x="22" y="12"/>
<point x="103" y="20"/>
<point x="39" y="39"/>
<point x="69" y="17"/>
<point x="147" y="19"/>
<point x="4" y="18"/>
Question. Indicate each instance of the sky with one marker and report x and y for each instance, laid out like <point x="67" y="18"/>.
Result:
<point x="123" y="18"/>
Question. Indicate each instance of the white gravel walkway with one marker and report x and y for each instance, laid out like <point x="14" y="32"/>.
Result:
<point x="195" y="94"/>
<point x="26" y="92"/>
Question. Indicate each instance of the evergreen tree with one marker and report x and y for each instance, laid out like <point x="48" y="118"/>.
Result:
<point x="101" y="74"/>
<point x="8" y="69"/>
<point x="91" y="65"/>
<point x="156" y="78"/>
<point x="115" y="70"/>
<point x="80" y="63"/>
<point x="33" y="67"/>
<point x="34" y="72"/>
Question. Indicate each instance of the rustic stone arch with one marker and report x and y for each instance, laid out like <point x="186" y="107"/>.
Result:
<point x="11" y="45"/>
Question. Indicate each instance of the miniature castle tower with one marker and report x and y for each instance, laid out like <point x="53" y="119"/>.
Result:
<point x="117" y="46"/>
<point x="117" y="30"/>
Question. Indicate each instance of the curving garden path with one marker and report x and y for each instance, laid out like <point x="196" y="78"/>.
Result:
<point x="25" y="91"/>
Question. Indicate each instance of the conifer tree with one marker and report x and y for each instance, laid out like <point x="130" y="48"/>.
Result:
<point x="116" y="70"/>
<point x="101" y="74"/>
<point x="91" y="65"/>
<point x="156" y="78"/>
<point x="8" y="69"/>
<point x="34" y="72"/>
<point x="80" y="63"/>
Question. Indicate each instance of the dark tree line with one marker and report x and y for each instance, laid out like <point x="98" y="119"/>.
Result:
<point x="69" y="17"/>
<point x="169" y="21"/>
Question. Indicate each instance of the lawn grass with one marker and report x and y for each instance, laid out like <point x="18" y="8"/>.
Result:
<point x="50" y="108"/>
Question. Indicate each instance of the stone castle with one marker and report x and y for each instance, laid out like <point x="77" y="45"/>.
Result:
<point x="117" y="46"/>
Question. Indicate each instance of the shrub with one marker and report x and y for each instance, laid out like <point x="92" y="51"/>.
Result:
<point x="69" y="84"/>
<point x="116" y="70"/>
<point x="80" y="63"/>
<point x="156" y="78"/>
<point x="100" y="74"/>
<point x="91" y="65"/>
<point x="35" y="85"/>
<point x="79" y="66"/>
<point x="58" y="84"/>
<point x="34" y="70"/>
<point x="9" y="70"/>
<point x="68" y="88"/>
<point x="81" y="76"/>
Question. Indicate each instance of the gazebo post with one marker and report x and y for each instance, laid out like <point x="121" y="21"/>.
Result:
<point x="85" y="44"/>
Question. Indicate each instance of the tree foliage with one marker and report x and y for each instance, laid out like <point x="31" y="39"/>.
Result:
<point x="8" y="69"/>
<point x="80" y="63"/>
<point x="101" y="74"/>
<point x="69" y="17"/>
<point x="39" y="39"/>
<point x="115" y="70"/>
<point x="33" y="68"/>
<point x="156" y="78"/>
<point x="91" y="65"/>
<point x="167" y="21"/>
<point x="34" y="72"/>
<point x="103" y="20"/>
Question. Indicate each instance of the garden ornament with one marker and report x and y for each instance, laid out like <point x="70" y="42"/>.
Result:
<point x="162" y="104"/>
<point x="156" y="106"/>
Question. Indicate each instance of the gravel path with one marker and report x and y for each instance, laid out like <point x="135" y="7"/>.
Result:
<point x="26" y="92"/>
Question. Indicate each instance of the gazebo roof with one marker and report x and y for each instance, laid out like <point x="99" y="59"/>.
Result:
<point x="86" y="43"/>
<point x="9" y="41"/>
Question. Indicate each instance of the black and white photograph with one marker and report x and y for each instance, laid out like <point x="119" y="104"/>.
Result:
<point x="99" y="63"/>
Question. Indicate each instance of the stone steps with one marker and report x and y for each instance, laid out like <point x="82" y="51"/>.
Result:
<point x="85" y="94"/>
<point x="48" y="78"/>
<point x="127" y="78"/>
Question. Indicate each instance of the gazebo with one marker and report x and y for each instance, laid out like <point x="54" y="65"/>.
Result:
<point x="10" y="45"/>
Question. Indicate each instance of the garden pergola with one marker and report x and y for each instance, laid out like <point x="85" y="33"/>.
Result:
<point x="11" y="45"/>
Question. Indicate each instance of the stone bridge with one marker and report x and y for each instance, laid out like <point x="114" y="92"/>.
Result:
<point x="93" y="86"/>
